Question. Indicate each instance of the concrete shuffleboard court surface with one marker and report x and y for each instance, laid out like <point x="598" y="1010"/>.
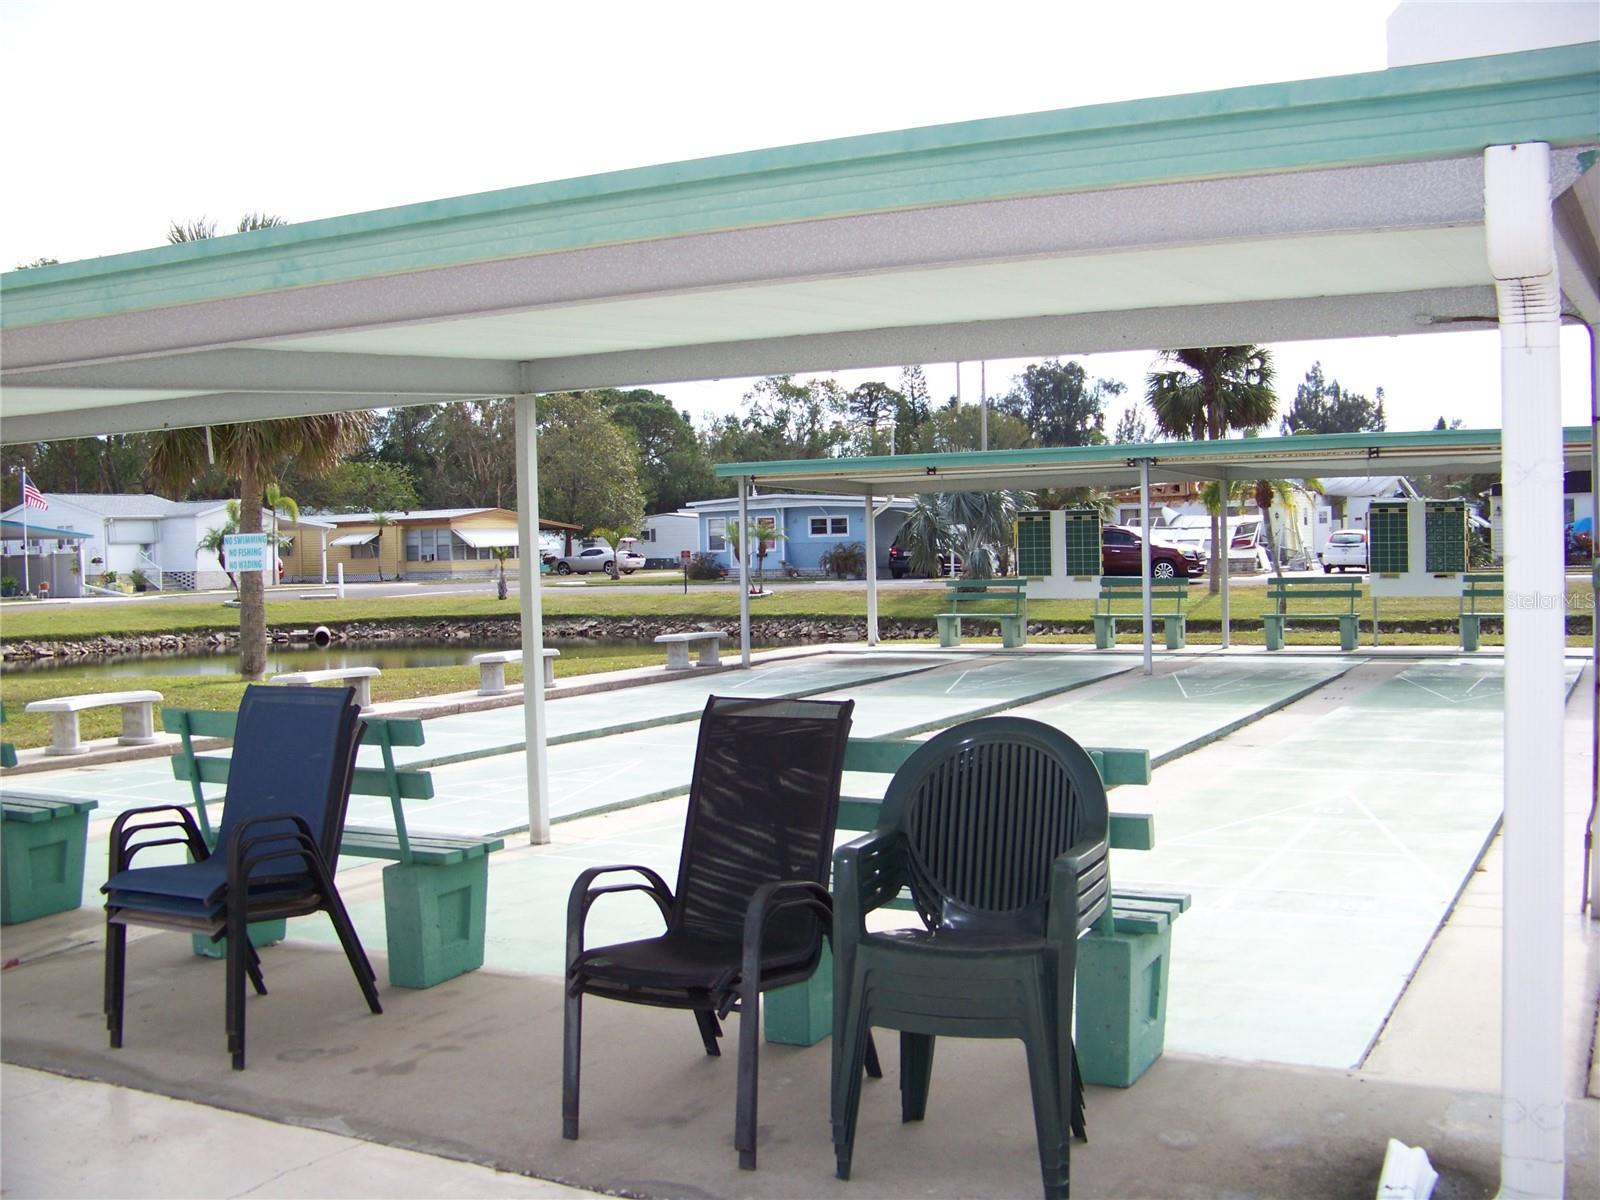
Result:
<point x="1323" y="854"/>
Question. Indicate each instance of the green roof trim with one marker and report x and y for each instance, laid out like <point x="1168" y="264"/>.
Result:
<point x="1112" y="453"/>
<point x="1433" y="110"/>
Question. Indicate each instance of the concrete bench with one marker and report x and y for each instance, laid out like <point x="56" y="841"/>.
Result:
<point x="361" y="677"/>
<point x="1483" y="594"/>
<point x="1003" y="601"/>
<point x="1123" y="963"/>
<point x="435" y="892"/>
<point x="1339" y="599"/>
<point x="138" y="718"/>
<point x="1167" y="599"/>
<point x="708" y="641"/>
<point x="42" y="843"/>
<point x="492" y="669"/>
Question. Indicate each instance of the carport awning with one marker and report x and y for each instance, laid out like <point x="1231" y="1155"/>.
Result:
<point x="1303" y="456"/>
<point x="480" y="539"/>
<point x="354" y="539"/>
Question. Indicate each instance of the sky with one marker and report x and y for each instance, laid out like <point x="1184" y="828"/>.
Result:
<point x="122" y="117"/>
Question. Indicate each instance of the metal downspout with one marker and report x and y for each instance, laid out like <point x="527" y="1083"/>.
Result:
<point x="744" y="572"/>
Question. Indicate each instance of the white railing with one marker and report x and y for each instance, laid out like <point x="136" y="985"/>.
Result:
<point x="150" y="569"/>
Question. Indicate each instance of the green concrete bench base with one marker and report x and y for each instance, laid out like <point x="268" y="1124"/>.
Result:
<point x="1167" y="598"/>
<point x="262" y="934"/>
<point x="42" y="844"/>
<point x="1013" y="630"/>
<point x="436" y="917"/>
<point x="1174" y="628"/>
<point x="802" y="1013"/>
<point x="1122" y="978"/>
<point x="1480" y="586"/>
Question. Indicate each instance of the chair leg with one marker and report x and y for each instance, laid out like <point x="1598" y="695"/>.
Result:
<point x="874" y="1067"/>
<point x="252" y="966"/>
<point x="853" y="1038"/>
<point x="116" y="970"/>
<point x="1044" y="1080"/>
<point x="916" y="1069"/>
<point x="360" y="965"/>
<point x="744" y="1123"/>
<point x="1079" y="1129"/>
<point x="710" y="1031"/>
<point x="571" y="1051"/>
<point x="238" y="935"/>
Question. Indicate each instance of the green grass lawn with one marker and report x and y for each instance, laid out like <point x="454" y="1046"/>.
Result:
<point x="18" y="689"/>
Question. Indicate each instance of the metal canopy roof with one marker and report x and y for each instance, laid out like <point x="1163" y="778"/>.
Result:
<point x="1347" y="206"/>
<point x="1443" y="451"/>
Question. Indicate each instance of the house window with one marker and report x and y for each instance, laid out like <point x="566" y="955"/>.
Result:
<point x="829" y="526"/>
<point x="716" y="534"/>
<point x="365" y="550"/>
<point x="649" y="535"/>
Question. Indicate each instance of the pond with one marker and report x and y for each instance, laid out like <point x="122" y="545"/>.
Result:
<point x="388" y="656"/>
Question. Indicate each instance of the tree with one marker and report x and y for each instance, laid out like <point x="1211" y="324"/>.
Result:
<point x="1132" y="428"/>
<point x="1322" y="406"/>
<point x="1059" y="404"/>
<point x="915" y="408"/>
<point x="500" y="555"/>
<point x="1455" y="423"/>
<point x="359" y="485"/>
<point x="42" y="261"/>
<point x="1213" y="390"/>
<point x="872" y="404"/>
<point x="673" y="467"/>
<point x="382" y="521"/>
<point x="587" y="465"/>
<point x="974" y="525"/>
<point x="202" y="228"/>
<point x="250" y="452"/>
<point x="783" y="418"/>
<point x="761" y="535"/>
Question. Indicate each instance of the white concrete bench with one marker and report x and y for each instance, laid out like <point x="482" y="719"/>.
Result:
<point x="361" y="677"/>
<point x="138" y="718"/>
<point x="492" y="669"/>
<point x="708" y="641"/>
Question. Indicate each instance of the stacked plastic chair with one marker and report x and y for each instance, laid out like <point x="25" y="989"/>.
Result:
<point x="276" y="849"/>
<point x="999" y="829"/>
<point x="751" y="906"/>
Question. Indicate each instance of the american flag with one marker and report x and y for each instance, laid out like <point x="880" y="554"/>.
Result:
<point x="32" y="497"/>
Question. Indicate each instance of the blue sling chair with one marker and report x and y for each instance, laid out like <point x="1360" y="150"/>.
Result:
<point x="294" y="753"/>
<point x="999" y="828"/>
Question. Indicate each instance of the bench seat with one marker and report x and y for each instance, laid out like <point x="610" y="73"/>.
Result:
<point x="1339" y="596"/>
<point x="358" y="677"/>
<point x="1003" y="601"/>
<point x="1167" y="600"/>
<point x="43" y="840"/>
<point x="492" y="669"/>
<point x="138" y="718"/>
<point x="707" y="641"/>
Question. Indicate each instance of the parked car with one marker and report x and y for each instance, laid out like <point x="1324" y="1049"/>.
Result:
<point x="1346" y="548"/>
<point x="900" y="561"/>
<point x="1121" y="554"/>
<point x="589" y="559"/>
<point x="629" y="560"/>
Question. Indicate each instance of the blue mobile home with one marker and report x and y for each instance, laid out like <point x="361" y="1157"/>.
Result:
<point x="810" y="526"/>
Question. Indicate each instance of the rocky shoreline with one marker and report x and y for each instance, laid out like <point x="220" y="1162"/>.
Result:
<point x="765" y="631"/>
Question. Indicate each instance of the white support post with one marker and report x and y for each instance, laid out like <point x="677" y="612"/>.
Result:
<point x="1591" y="840"/>
<point x="1522" y="258"/>
<point x="324" y="558"/>
<point x="1226" y="569"/>
<point x="1144" y="563"/>
<point x="533" y="722"/>
<point x="744" y="572"/>
<point x="872" y="570"/>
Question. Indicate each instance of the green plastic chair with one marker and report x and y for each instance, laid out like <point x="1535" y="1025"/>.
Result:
<point x="999" y="828"/>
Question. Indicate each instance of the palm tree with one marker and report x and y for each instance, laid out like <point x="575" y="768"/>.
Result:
<point x="279" y="501"/>
<point x="250" y="452"/>
<point x="1213" y="391"/>
<point x="971" y="524"/>
<point x="1265" y="492"/>
<point x="381" y="520"/>
<point x="500" y="554"/>
<point x="215" y="541"/>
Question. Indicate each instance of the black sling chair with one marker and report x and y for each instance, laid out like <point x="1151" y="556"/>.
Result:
<point x="999" y="828"/>
<point x="294" y="753"/>
<point x="751" y="906"/>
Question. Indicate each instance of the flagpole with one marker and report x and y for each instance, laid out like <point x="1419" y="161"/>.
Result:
<point x="25" y="588"/>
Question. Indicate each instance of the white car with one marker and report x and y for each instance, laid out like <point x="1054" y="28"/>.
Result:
<point x="1346" y="548"/>
<point x="593" y="558"/>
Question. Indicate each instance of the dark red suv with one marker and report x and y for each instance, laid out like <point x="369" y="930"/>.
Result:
<point x="1120" y="554"/>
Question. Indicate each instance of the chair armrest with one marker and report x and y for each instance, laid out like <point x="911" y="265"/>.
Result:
<point x="768" y="901"/>
<point x="1080" y="890"/>
<point x="247" y="850"/>
<point x="867" y="873"/>
<point x="583" y="895"/>
<point x="121" y="834"/>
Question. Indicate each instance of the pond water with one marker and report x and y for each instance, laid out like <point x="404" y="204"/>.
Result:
<point x="388" y="656"/>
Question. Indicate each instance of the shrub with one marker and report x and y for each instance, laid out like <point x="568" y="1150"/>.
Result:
<point x="846" y="560"/>
<point x="706" y="566"/>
